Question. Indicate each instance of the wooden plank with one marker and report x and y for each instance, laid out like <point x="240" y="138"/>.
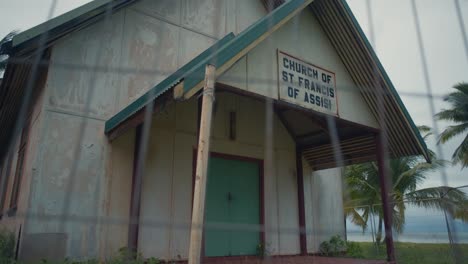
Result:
<point x="198" y="211"/>
<point x="301" y="202"/>
<point x="382" y="161"/>
<point x="133" y="226"/>
<point x="137" y="119"/>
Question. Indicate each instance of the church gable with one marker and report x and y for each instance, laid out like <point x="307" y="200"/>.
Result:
<point x="302" y="40"/>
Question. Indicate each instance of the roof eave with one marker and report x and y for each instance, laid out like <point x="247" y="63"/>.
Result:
<point x="55" y="28"/>
<point x="421" y="143"/>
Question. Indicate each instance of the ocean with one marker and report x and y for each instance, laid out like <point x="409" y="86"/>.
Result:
<point x="421" y="226"/>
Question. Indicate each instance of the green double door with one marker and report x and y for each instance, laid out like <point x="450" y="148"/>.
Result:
<point x="232" y="208"/>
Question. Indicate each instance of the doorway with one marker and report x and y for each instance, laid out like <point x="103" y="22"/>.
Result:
<point x="233" y="206"/>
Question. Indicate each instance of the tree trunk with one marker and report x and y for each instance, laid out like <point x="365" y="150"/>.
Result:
<point x="378" y="237"/>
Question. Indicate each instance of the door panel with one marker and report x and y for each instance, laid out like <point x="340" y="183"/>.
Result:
<point x="216" y="210"/>
<point x="233" y="205"/>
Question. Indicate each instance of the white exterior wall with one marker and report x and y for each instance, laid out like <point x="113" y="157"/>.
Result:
<point x="167" y="191"/>
<point x="303" y="38"/>
<point x="323" y="195"/>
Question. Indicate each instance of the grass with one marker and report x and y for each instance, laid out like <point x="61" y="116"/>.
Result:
<point x="414" y="253"/>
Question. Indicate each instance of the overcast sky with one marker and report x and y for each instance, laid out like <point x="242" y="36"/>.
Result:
<point x="395" y="44"/>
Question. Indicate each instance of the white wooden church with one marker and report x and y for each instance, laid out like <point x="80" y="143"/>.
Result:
<point x="102" y="122"/>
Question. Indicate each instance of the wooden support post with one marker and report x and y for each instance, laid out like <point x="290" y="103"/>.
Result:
<point x="133" y="226"/>
<point x="198" y="209"/>
<point x="385" y="184"/>
<point x="300" y="200"/>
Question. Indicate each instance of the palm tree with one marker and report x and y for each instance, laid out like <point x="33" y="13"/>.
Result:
<point x="458" y="114"/>
<point x="3" y="55"/>
<point x="407" y="174"/>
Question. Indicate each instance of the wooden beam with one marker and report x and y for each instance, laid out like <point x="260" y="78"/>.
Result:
<point x="301" y="202"/>
<point x="137" y="119"/>
<point x="385" y="184"/>
<point x="135" y="199"/>
<point x="198" y="211"/>
<point x="285" y="123"/>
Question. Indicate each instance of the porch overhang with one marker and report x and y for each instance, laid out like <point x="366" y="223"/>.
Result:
<point x="358" y="57"/>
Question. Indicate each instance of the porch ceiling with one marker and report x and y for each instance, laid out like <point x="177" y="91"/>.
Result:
<point x="328" y="142"/>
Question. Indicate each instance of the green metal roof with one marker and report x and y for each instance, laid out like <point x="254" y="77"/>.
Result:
<point x="166" y="84"/>
<point x="59" y="26"/>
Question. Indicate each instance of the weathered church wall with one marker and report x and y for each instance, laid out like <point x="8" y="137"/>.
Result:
<point x="14" y="217"/>
<point x="94" y="73"/>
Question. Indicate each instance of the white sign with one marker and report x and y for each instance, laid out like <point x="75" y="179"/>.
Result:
<point x="307" y="85"/>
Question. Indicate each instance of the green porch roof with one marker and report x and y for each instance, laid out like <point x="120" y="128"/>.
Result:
<point x="166" y="84"/>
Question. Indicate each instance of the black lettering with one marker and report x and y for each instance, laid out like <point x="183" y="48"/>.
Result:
<point x="325" y="90"/>
<point x="324" y="78"/>
<point x="284" y="76"/>
<point x="290" y="92"/>
<point x="315" y="74"/>
<point x="309" y="72"/>
<point x="298" y="67"/>
<point x="291" y="65"/>
<point x="332" y="93"/>
<point x="307" y="84"/>
<point x="306" y="97"/>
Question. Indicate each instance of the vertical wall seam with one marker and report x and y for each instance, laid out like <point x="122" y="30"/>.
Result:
<point x="120" y="80"/>
<point x="278" y="225"/>
<point x="171" y="221"/>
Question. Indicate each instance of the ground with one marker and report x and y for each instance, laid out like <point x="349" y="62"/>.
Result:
<point x="412" y="253"/>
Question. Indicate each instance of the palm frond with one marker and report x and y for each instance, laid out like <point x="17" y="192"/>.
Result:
<point x="462" y="87"/>
<point x="445" y="198"/>
<point x="413" y="174"/>
<point x="455" y="115"/>
<point x="356" y="218"/>
<point x="426" y="131"/>
<point x="458" y="114"/>
<point x="398" y="214"/>
<point x="460" y="156"/>
<point x="451" y="132"/>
